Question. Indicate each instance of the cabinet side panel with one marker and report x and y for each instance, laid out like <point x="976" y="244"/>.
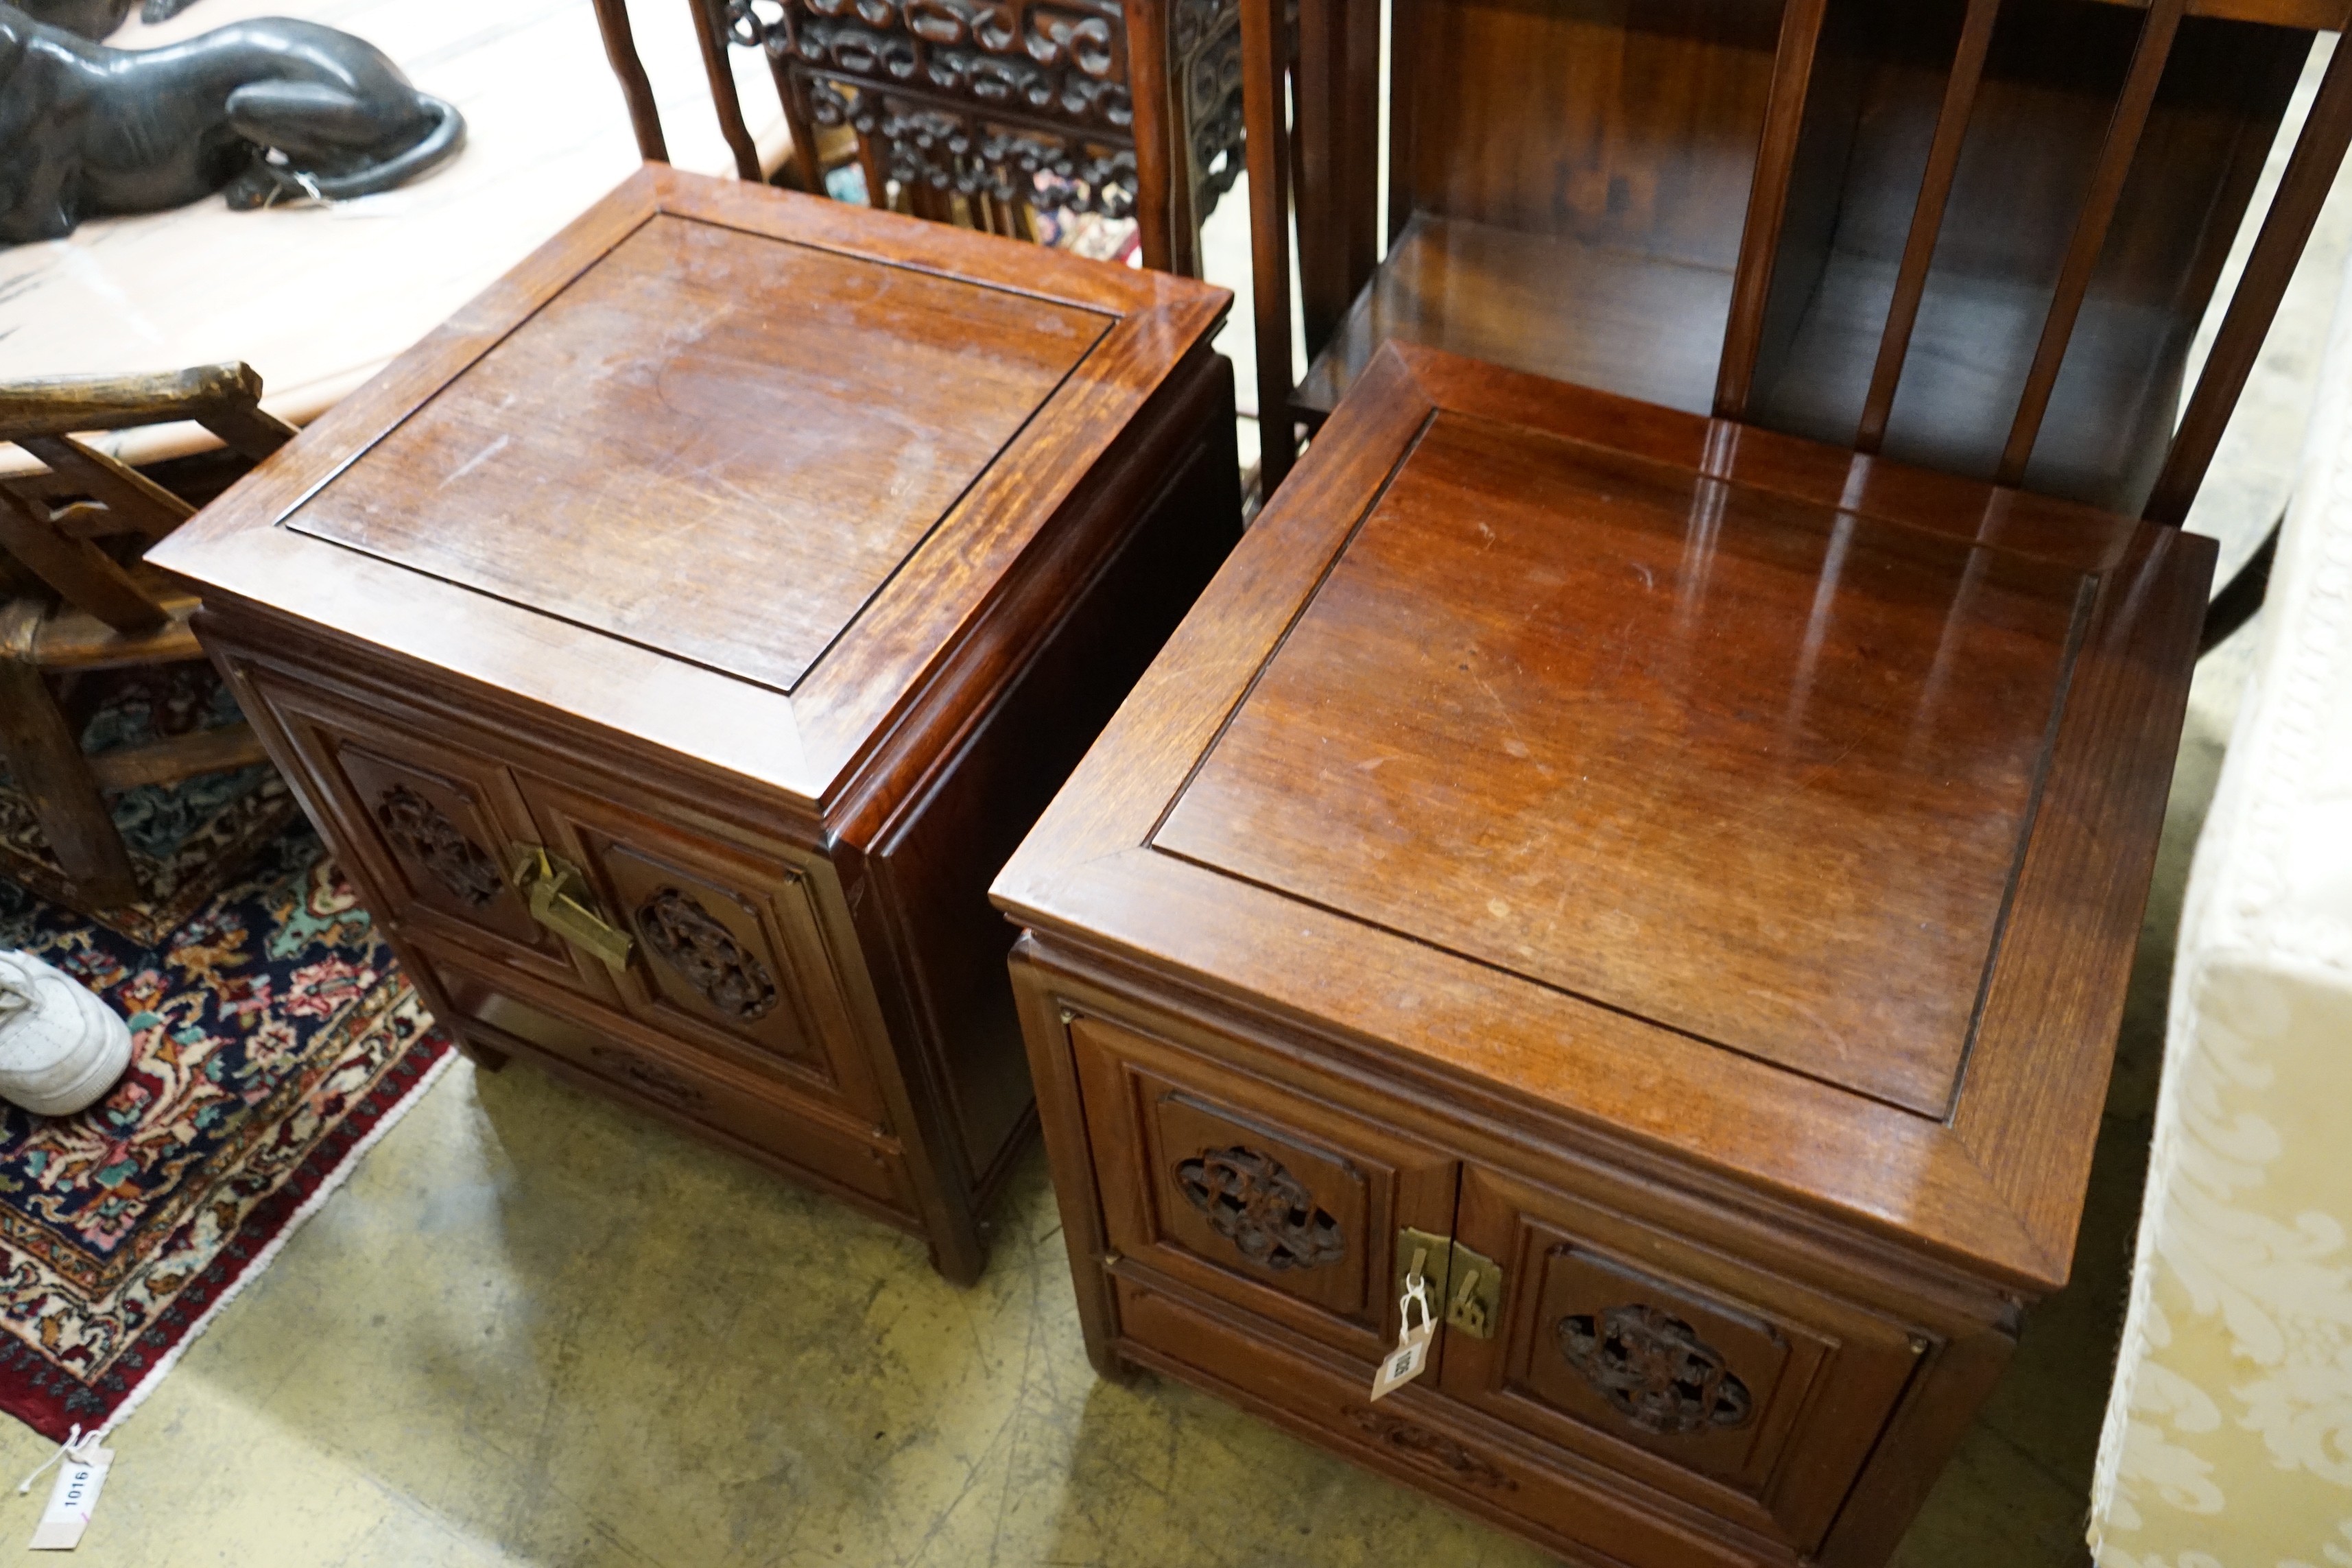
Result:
<point x="933" y="871"/>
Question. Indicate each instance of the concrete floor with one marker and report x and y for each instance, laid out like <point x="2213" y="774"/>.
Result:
<point x="533" y="1330"/>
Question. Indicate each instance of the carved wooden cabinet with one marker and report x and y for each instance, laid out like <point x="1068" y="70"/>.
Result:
<point x="673" y="644"/>
<point x="1668" y="886"/>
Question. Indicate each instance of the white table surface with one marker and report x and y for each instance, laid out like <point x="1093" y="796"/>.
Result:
<point x="317" y="298"/>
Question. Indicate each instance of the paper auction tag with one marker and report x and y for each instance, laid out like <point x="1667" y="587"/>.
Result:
<point x="1410" y="1357"/>
<point x="73" y="1500"/>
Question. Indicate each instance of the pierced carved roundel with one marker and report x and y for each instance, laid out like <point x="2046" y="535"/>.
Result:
<point x="1655" y="1370"/>
<point x="1261" y="1208"/>
<point x="415" y="826"/>
<point x="683" y="935"/>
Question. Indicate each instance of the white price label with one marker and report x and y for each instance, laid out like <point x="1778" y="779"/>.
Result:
<point x="1410" y="1357"/>
<point x="72" y="1501"/>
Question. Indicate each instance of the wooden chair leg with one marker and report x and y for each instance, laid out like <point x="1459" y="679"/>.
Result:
<point x="49" y="767"/>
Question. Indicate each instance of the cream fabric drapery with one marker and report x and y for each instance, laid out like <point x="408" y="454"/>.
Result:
<point x="2229" y="1434"/>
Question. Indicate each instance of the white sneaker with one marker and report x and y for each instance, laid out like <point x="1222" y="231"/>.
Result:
<point x="61" y="1048"/>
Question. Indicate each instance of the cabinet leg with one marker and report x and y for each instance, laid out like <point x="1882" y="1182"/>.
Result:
<point x="488" y="1058"/>
<point x="961" y="1259"/>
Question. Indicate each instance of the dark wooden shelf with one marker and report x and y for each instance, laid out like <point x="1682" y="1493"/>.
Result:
<point x="1592" y="315"/>
<point x="1584" y="313"/>
<point x="2103" y="439"/>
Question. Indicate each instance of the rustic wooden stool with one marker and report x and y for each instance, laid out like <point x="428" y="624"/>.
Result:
<point x="76" y="599"/>
<point x="1672" y="883"/>
<point x="673" y="644"/>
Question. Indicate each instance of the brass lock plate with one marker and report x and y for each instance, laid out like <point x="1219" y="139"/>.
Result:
<point x="1465" y="1287"/>
<point x="556" y="893"/>
<point x="1474" y="1294"/>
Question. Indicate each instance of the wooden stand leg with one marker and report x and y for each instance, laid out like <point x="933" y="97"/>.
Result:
<point x="48" y="764"/>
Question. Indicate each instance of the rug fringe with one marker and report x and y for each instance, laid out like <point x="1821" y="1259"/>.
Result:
<point x="328" y="1186"/>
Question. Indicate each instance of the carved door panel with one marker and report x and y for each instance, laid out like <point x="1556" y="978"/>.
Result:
<point x="728" y="953"/>
<point x="1749" y="1395"/>
<point x="423" y="826"/>
<point x="1269" y="1200"/>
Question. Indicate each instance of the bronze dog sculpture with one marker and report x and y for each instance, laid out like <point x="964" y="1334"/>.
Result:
<point x="263" y="110"/>
<point x="96" y="20"/>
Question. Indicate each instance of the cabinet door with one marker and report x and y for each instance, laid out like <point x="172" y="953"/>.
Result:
<point x="730" y="955"/>
<point x="1748" y="1395"/>
<point x="423" y="826"/>
<point x="1272" y="1201"/>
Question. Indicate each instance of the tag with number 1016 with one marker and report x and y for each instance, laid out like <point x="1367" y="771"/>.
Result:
<point x="1410" y="1357"/>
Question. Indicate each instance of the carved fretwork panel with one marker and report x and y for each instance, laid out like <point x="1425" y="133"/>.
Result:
<point x="707" y="957"/>
<point x="1251" y="1201"/>
<point x="442" y="840"/>
<point x="678" y="931"/>
<point x="416" y="826"/>
<point x="980" y="100"/>
<point x="1654" y="1369"/>
<point x="730" y="955"/>
<point x="1066" y="59"/>
<point x="947" y="148"/>
<point x="1652" y="1359"/>
<point x="1277" y="1205"/>
<point x="1686" y="1368"/>
<point x="1206" y="51"/>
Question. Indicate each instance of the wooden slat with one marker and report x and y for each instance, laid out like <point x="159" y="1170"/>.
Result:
<point x="1337" y="87"/>
<point x="1768" y="204"/>
<point x="45" y="758"/>
<point x="2316" y="16"/>
<point x="2303" y="188"/>
<point x="2090" y="233"/>
<point x="181" y="757"/>
<point x="1267" y="144"/>
<point x="84" y="575"/>
<point x="807" y="164"/>
<point x="87" y="520"/>
<point x="710" y="32"/>
<point x="63" y="404"/>
<point x="1402" y="23"/>
<point x="1160" y="162"/>
<point x="621" y="51"/>
<point x="245" y="430"/>
<point x="154" y="510"/>
<point x="1927" y="218"/>
<point x="72" y="640"/>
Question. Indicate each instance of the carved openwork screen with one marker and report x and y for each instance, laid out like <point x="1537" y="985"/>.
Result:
<point x="987" y="111"/>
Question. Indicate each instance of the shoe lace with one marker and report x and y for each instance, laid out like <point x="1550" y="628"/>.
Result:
<point x="13" y="1000"/>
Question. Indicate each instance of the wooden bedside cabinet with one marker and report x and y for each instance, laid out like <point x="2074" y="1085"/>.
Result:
<point x="1673" y="883"/>
<point x="673" y="644"/>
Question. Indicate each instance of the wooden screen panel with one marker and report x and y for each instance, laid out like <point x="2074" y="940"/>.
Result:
<point x="728" y="953"/>
<point x="1632" y="123"/>
<point x="1267" y="1200"/>
<point x="1748" y="1395"/>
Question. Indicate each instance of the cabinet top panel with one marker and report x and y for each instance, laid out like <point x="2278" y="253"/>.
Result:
<point x="712" y="442"/>
<point x="1786" y="811"/>
<point x="727" y="470"/>
<point x="1736" y="762"/>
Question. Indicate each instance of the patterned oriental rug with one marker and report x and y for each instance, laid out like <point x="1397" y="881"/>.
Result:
<point x="276" y="1042"/>
<point x="185" y="839"/>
